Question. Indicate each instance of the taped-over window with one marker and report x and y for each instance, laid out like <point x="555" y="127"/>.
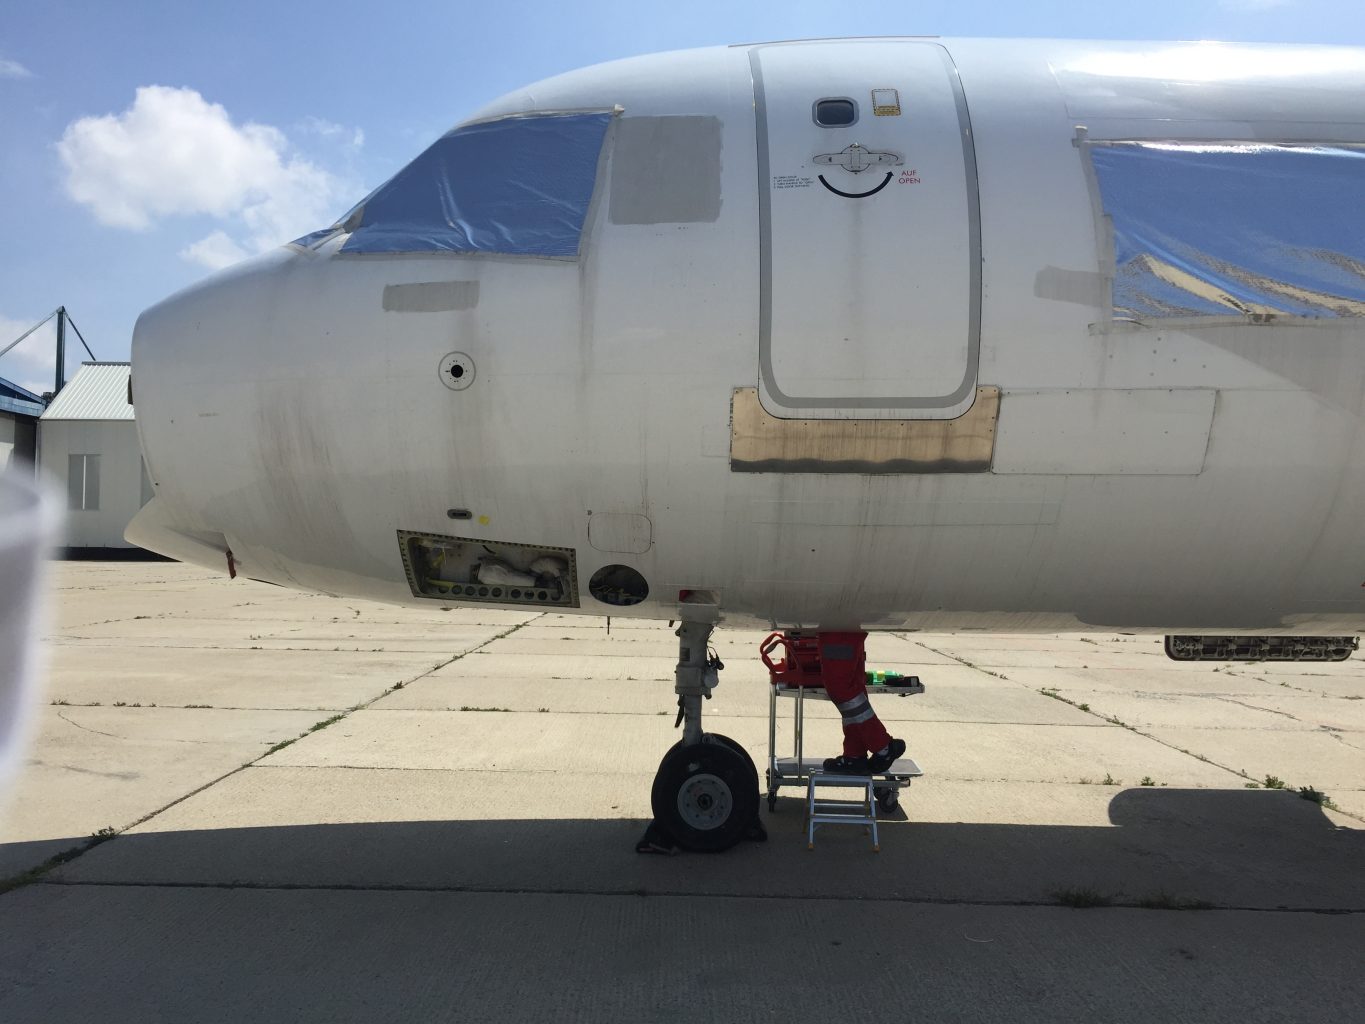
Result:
<point x="1234" y="229"/>
<point x="519" y="186"/>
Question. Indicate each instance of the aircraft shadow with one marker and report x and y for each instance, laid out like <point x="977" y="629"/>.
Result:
<point x="1162" y="848"/>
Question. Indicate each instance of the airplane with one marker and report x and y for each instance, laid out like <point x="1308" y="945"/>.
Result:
<point x="856" y="334"/>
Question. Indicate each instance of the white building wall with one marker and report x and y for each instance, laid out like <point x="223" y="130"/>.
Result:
<point x="120" y="484"/>
<point x="6" y="440"/>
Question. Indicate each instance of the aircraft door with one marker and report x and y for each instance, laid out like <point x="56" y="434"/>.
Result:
<point x="870" y="232"/>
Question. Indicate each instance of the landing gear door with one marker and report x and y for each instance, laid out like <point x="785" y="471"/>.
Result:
<point x="870" y="233"/>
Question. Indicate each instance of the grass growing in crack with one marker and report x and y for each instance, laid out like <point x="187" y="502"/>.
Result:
<point x="61" y="703"/>
<point x="1147" y="780"/>
<point x="1271" y="782"/>
<point x="325" y="723"/>
<point x="1082" y="898"/>
<point x="470" y="707"/>
<point x="1049" y="691"/>
<point x="1109" y="780"/>
<point x="1317" y="797"/>
<point x="56" y="860"/>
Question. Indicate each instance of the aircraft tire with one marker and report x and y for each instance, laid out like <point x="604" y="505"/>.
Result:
<point x="715" y="737"/>
<point x="706" y="794"/>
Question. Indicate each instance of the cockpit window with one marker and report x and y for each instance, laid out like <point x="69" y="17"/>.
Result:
<point x="1234" y="229"/>
<point x="518" y="186"/>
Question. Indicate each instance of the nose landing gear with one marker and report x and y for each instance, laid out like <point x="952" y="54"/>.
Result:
<point x="705" y="795"/>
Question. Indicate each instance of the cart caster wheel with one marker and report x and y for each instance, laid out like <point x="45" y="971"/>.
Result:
<point x="888" y="800"/>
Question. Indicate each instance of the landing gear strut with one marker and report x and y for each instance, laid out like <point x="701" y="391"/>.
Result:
<point x="705" y="796"/>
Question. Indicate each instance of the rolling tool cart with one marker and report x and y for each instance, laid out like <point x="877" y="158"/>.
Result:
<point x="799" y="677"/>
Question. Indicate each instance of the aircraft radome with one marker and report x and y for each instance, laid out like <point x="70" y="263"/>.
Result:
<point x="836" y="335"/>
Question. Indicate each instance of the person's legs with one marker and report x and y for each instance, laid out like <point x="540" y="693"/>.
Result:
<point x="863" y="730"/>
<point x="843" y="673"/>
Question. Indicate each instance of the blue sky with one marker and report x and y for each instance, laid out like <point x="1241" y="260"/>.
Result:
<point x="109" y="199"/>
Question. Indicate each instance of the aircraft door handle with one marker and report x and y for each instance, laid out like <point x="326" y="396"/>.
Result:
<point x="858" y="158"/>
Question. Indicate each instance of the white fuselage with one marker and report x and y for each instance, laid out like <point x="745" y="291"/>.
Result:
<point x="1194" y="477"/>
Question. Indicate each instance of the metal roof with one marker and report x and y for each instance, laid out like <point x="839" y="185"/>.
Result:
<point x="20" y="401"/>
<point x="99" y="391"/>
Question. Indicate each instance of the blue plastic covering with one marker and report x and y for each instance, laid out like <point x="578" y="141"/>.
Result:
<point x="518" y="186"/>
<point x="314" y="237"/>
<point x="1232" y="228"/>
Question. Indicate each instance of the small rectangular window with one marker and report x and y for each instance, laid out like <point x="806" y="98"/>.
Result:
<point x="835" y="113"/>
<point x="83" y="483"/>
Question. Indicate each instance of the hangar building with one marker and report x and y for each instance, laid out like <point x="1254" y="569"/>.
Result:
<point x="88" y="448"/>
<point x="19" y="412"/>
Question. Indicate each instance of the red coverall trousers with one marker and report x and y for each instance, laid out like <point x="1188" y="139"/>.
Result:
<point x="846" y="684"/>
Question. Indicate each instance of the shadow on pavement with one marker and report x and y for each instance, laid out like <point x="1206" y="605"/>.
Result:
<point x="1164" y="847"/>
<point x="384" y="921"/>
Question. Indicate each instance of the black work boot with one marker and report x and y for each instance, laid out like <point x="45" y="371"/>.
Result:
<point x="848" y="765"/>
<point x="879" y="763"/>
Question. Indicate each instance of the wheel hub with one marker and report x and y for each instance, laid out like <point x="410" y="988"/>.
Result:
<point x="705" y="802"/>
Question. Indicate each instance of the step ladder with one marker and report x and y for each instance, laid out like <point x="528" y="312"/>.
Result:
<point x="830" y="811"/>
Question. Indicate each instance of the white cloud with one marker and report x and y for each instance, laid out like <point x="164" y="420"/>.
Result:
<point x="214" y="251"/>
<point x="13" y="69"/>
<point x="31" y="364"/>
<point x="173" y="153"/>
<point x="330" y="130"/>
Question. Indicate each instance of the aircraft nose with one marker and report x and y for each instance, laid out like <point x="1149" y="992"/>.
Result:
<point x="190" y="355"/>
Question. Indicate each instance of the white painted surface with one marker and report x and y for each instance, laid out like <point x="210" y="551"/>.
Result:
<point x="1127" y="432"/>
<point x="621" y="532"/>
<point x="870" y="296"/>
<point x="287" y="415"/>
<point x="120" y="484"/>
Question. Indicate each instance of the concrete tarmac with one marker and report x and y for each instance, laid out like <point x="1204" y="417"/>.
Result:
<point x="320" y="809"/>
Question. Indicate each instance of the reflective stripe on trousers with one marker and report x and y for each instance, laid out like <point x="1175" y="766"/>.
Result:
<point x="856" y="711"/>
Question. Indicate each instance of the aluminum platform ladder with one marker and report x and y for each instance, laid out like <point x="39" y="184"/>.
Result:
<point x="829" y="811"/>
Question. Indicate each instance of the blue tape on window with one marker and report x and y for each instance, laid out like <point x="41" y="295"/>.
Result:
<point x="314" y="237"/>
<point x="518" y="186"/>
<point x="1235" y="228"/>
